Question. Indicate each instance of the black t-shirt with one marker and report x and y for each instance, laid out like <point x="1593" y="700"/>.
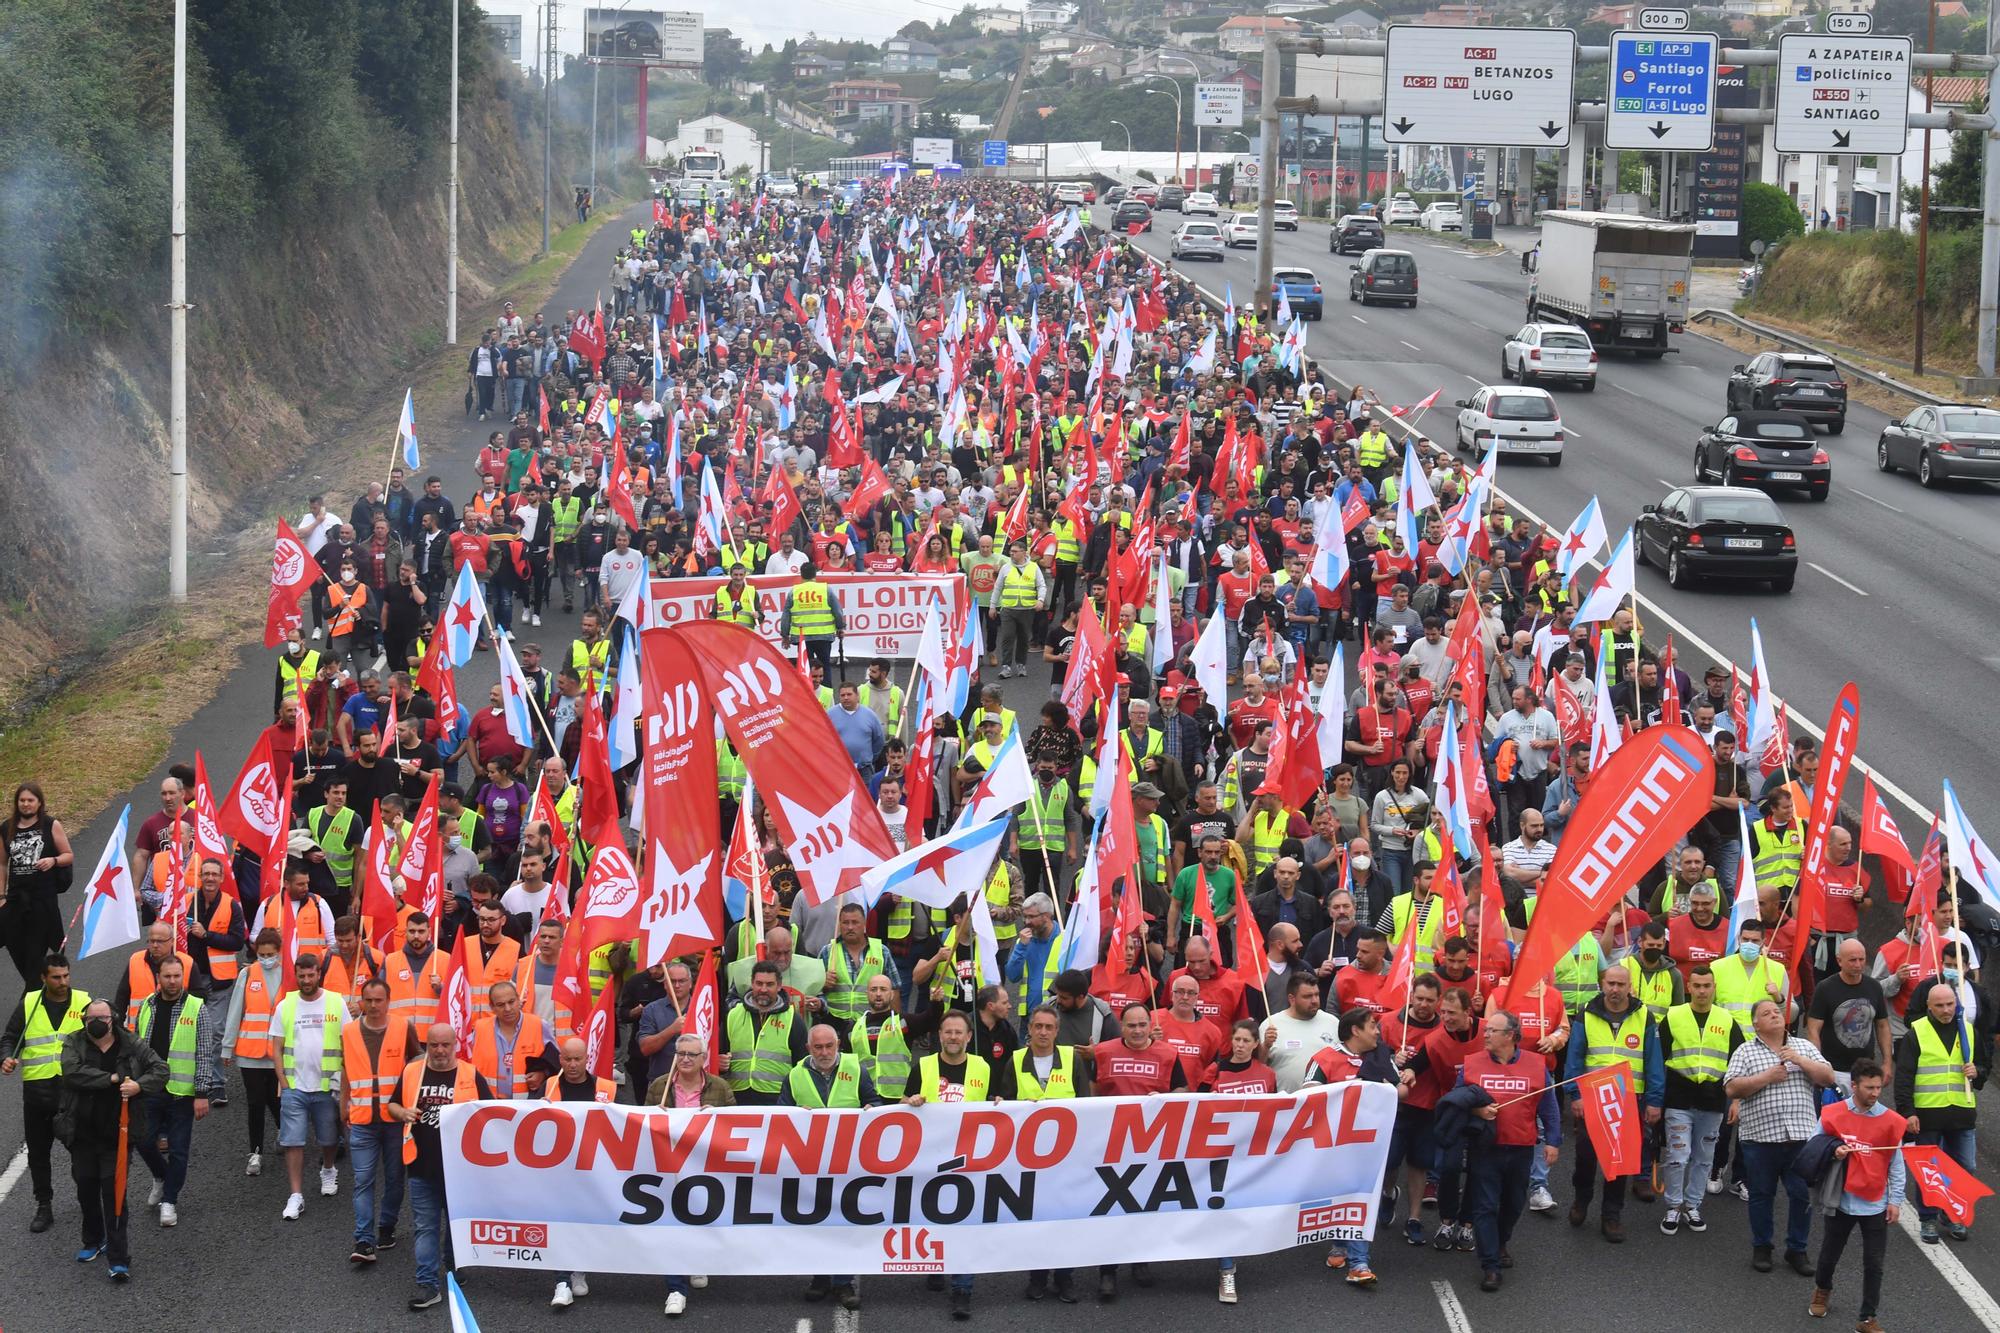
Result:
<point x="434" y="1092"/>
<point x="1198" y="826"/>
<point x="1847" y="1016"/>
<point x="1062" y="641"/>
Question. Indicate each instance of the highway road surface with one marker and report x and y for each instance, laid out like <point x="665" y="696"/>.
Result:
<point x="232" y="1266"/>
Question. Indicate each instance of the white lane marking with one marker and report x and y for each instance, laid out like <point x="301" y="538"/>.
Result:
<point x="803" y="1326"/>
<point x="1670" y="485"/>
<point x="1871" y="499"/>
<point x="1984" y="1308"/>
<point x="15" y="1170"/>
<point x="1622" y="389"/>
<point x="1357" y="319"/>
<point x="1569" y="434"/>
<point x="845" y="1320"/>
<point x="1455" y="1319"/>
<point x="1475" y="379"/>
<point x="1412" y="346"/>
<point x="1837" y="579"/>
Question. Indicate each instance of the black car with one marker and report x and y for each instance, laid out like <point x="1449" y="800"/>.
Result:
<point x="1130" y="211"/>
<point x="1171" y="196"/>
<point x="1115" y="194"/>
<point x="1357" y="234"/>
<point x="1774" y="450"/>
<point x="1724" y="532"/>
<point x="1791" y="382"/>
<point x="1940" y="443"/>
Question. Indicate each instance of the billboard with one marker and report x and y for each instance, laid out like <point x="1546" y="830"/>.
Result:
<point x="932" y="152"/>
<point x="505" y="30"/>
<point x="663" y="36"/>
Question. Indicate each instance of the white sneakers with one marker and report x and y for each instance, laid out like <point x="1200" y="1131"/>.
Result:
<point x="1225" y="1291"/>
<point x="1540" y="1201"/>
<point x="563" y="1298"/>
<point x="677" y="1304"/>
<point x="579" y="1284"/>
<point x="329" y="1181"/>
<point x="255" y="1166"/>
<point x="169" y="1215"/>
<point x="699" y="1281"/>
<point x="294" y="1206"/>
<point x="154" y="1195"/>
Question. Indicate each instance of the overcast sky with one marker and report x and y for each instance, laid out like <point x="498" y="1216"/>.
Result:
<point x="844" y="20"/>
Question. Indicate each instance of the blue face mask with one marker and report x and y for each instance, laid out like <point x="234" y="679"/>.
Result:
<point x="1748" y="950"/>
<point x="1951" y="976"/>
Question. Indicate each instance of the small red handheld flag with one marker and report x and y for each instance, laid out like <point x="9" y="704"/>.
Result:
<point x="1610" y="1113"/>
<point x="1944" y="1183"/>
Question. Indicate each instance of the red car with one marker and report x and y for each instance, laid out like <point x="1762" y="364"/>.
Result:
<point x="1090" y="194"/>
<point x="1146" y="194"/>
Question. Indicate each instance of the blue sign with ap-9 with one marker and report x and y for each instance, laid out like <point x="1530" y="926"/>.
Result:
<point x="1662" y="93"/>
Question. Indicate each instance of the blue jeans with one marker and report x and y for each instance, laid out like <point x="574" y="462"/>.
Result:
<point x="500" y="594"/>
<point x="1394" y="863"/>
<point x="1691" y="1137"/>
<point x="1728" y="858"/>
<point x="517" y="392"/>
<point x="170" y="1118"/>
<point x="1958" y="1144"/>
<point x="376" y="1151"/>
<point x="1538" y="1166"/>
<point x="1499" y="1181"/>
<point x="1357" y="1253"/>
<point x="1765" y="1165"/>
<point x="299" y="1110"/>
<point x="961" y="1282"/>
<point x="678" y="1282"/>
<point x="433" y="1227"/>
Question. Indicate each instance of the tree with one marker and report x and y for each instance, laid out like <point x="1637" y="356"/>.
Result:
<point x="1955" y="182"/>
<point x="1769" y="215"/>
<point x="723" y="58"/>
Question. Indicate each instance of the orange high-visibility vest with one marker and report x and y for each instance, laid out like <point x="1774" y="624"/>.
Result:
<point x="607" y="1090"/>
<point x="464" y="1088"/>
<point x="336" y="977"/>
<point x="143" y="982"/>
<point x="253" y="1038"/>
<point x="346" y="604"/>
<point x="481" y="976"/>
<point x="370" y="1085"/>
<point x="486" y="1050"/>
<point x="413" y="992"/>
<point x="223" y="964"/>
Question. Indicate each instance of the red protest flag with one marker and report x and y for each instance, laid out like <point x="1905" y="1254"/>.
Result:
<point x="1944" y="1183"/>
<point x="1395" y="992"/>
<point x="600" y="1035"/>
<point x="779" y="493"/>
<point x="378" y="901"/>
<point x="422" y="869"/>
<point x="1251" y="965"/>
<point x="868" y="492"/>
<point x="704" y="1018"/>
<point x="293" y="571"/>
<point x="1843" y="734"/>
<point x="253" y="812"/>
<point x="618" y="489"/>
<point x="1611" y="1115"/>
<point x="1881" y="839"/>
<point x="454" y="1004"/>
<point x="597" y="806"/>
<point x="208" y="841"/>
<point x="1661" y="782"/>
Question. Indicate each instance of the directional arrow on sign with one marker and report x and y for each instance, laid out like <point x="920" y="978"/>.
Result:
<point x="1658" y="129"/>
<point x="1405" y="125"/>
<point x="1841" y="138"/>
<point x="1551" y="129"/>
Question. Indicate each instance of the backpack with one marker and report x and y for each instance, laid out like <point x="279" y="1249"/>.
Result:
<point x="1505" y="756"/>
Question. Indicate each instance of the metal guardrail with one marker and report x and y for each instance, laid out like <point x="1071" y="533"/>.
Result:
<point x="1711" y="314"/>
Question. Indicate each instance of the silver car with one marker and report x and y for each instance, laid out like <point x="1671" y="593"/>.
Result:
<point x="1202" y="239"/>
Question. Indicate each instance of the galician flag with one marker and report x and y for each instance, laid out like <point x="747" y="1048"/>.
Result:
<point x="462" y="617"/>
<point x="945" y="868"/>
<point x="111" y="912"/>
<point x="406" y="432"/>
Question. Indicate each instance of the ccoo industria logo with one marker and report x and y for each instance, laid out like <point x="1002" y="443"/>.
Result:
<point x="1329" y="1219"/>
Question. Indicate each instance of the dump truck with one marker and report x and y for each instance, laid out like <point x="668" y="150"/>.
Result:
<point x="1622" y="279"/>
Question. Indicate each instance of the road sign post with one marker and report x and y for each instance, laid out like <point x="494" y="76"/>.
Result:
<point x="1218" y="106"/>
<point x="1662" y="92"/>
<point x="1842" y="94"/>
<point x="1510" y="87"/>
<point x="993" y="153"/>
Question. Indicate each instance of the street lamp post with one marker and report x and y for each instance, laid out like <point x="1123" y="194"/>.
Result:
<point x="1177" y="122"/>
<point x="1128" y="133"/>
<point x="177" y="309"/>
<point x="1166" y="56"/>
<point x="451" y="204"/>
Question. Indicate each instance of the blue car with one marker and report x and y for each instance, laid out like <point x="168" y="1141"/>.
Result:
<point x="1301" y="288"/>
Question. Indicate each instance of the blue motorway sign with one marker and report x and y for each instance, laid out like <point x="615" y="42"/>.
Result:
<point x="1471" y="185"/>
<point x="1662" y="93"/>
<point x="993" y="153"/>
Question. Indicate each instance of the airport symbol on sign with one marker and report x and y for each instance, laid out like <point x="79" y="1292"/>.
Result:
<point x="1509" y="87"/>
<point x="1662" y="92"/>
<point x="1843" y="94"/>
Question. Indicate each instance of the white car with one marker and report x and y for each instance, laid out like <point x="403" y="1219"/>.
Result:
<point x="1402" y="212"/>
<point x="1541" y="352"/>
<point x="1240" y="229"/>
<point x="1198" y="238"/>
<point x="1070" y="192"/>
<point x="1521" y="422"/>
<point x="1285" y="213"/>
<point x="1201" y="201"/>
<point x="1442" y="216"/>
<point x="780" y="187"/>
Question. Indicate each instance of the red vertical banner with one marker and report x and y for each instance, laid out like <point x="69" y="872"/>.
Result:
<point x="681" y="880"/>
<point x="1843" y="736"/>
<point x="1611" y="1115"/>
<point x="793" y="755"/>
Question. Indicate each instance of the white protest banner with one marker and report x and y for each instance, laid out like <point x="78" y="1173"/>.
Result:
<point x="958" y="1188"/>
<point x="884" y="613"/>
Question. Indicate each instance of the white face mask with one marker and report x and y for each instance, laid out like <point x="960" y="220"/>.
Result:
<point x="1362" y="862"/>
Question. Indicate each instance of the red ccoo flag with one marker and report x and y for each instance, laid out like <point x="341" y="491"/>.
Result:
<point x="293" y="571"/>
<point x="1881" y="839"/>
<point x="1944" y="1183"/>
<point x="1611" y="1114"/>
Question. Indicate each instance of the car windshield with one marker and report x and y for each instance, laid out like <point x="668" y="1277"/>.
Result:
<point x="1566" y="338"/>
<point x="1807" y="372"/>
<point x="1746" y="508"/>
<point x="1521" y="407"/>
<point x="1200" y="229"/>
<point x="1777" y="430"/>
<point x="1973" y="422"/>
